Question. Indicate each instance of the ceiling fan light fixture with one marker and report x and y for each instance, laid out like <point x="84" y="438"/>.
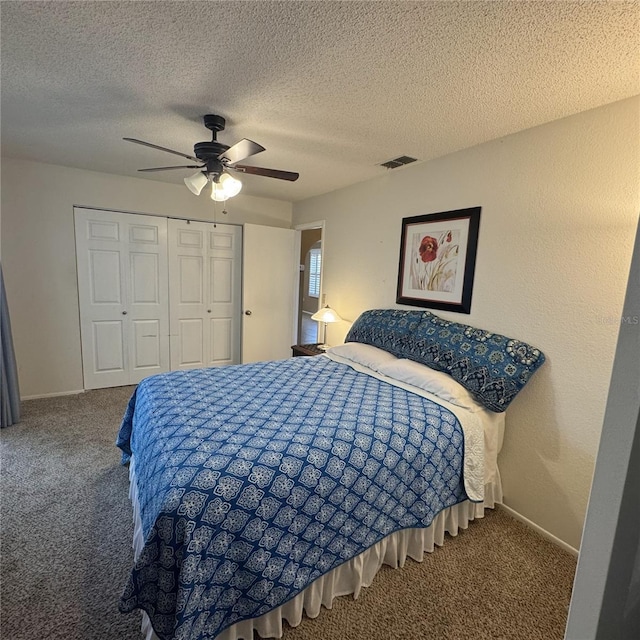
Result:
<point x="196" y="182"/>
<point x="231" y="185"/>
<point x="217" y="192"/>
<point x="225" y="187"/>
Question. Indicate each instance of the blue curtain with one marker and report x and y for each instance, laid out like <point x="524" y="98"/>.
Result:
<point x="9" y="391"/>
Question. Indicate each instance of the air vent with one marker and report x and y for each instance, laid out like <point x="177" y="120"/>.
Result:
<point x="398" y="162"/>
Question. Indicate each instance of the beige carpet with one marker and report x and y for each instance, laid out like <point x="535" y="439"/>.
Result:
<point x="66" y="550"/>
<point x="497" y="579"/>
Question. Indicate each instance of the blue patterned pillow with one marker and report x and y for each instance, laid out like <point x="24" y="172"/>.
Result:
<point x="492" y="367"/>
<point x="387" y="329"/>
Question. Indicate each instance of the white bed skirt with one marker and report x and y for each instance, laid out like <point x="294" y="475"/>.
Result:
<point x="349" y="577"/>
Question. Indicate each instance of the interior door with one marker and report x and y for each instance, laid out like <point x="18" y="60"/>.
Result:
<point x="205" y="293"/>
<point x="269" y="281"/>
<point x="122" y="284"/>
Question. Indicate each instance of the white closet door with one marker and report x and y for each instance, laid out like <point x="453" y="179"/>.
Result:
<point x="122" y="283"/>
<point x="148" y="296"/>
<point x="205" y="288"/>
<point x="270" y="276"/>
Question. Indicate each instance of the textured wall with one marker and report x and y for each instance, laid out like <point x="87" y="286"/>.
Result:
<point x="560" y="205"/>
<point x="39" y="263"/>
<point x="605" y="602"/>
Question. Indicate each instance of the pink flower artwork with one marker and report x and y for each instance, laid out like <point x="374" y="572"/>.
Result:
<point x="434" y="261"/>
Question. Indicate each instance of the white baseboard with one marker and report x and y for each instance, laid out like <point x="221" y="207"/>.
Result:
<point x="543" y="532"/>
<point x="52" y="395"/>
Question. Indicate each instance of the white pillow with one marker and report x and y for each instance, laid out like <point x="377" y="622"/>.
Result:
<point x="364" y="354"/>
<point x="436" y="382"/>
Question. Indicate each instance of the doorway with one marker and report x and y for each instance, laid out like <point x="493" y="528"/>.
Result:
<point x="310" y="281"/>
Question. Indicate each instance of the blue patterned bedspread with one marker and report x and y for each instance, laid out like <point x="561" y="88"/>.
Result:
<point x="255" y="480"/>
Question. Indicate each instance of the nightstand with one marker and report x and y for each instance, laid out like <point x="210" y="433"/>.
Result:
<point x="306" y="350"/>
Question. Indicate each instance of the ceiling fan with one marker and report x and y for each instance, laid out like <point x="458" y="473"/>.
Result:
<point x="215" y="159"/>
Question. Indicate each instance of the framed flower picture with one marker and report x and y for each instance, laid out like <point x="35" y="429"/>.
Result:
<point x="438" y="259"/>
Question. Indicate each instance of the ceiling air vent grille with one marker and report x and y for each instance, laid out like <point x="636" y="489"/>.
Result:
<point x="398" y="162"/>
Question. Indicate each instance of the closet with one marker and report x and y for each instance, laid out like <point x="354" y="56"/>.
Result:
<point x="155" y="294"/>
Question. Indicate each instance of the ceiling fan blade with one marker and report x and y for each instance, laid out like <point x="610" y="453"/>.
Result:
<point x="240" y="151"/>
<point x="184" y="166"/>
<point x="269" y="173"/>
<point x="155" y="146"/>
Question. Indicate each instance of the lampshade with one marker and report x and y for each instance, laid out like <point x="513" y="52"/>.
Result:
<point x="196" y="182"/>
<point x="326" y="314"/>
<point x="230" y="184"/>
<point x="217" y="192"/>
<point x="226" y="187"/>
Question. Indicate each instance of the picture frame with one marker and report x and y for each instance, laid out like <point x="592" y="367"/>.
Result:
<point x="438" y="260"/>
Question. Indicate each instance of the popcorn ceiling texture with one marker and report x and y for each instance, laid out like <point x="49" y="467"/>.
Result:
<point x="331" y="89"/>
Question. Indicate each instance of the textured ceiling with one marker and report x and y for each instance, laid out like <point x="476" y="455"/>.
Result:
<point x="331" y="89"/>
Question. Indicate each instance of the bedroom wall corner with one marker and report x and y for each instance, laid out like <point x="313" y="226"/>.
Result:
<point x="38" y="252"/>
<point x="605" y="603"/>
<point x="560" y="205"/>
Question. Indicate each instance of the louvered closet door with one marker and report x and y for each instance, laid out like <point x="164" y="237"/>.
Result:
<point x="123" y="295"/>
<point x="205" y="288"/>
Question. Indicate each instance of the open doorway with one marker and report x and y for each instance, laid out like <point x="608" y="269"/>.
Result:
<point x="310" y="282"/>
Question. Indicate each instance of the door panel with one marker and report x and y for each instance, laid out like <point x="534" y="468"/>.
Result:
<point x="141" y="234"/>
<point x="105" y="283"/>
<point x="145" y="278"/>
<point x="148" y="292"/>
<point x="221" y="280"/>
<point x="221" y="240"/>
<point x="108" y="347"/>
<point x="190" y="291"/>
<point x="191" y="344"/>
<point x="102" y="296"/>
<point x="269" y="276"/>
<point x="188" y="238"/>
<point x="205" y="289"/>
<point x="122" y="286"/>
<point x="221" y="340"/>
<point x="146" y="352"/>
<point x="102" y="230"/>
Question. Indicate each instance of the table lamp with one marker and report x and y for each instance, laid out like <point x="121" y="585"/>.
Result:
<point x="325" y="315"/>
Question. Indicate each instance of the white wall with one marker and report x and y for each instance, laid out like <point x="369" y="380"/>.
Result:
<point x="38" y="254"/>
<point x="560" y="204"/>
<point x="605" y="603"/>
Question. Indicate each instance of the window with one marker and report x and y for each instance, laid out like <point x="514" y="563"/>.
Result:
<point x="315" y="264"/>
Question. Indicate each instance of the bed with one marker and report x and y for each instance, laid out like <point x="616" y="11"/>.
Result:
<point x="265" y="490"/>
